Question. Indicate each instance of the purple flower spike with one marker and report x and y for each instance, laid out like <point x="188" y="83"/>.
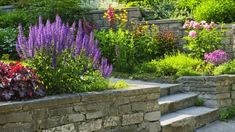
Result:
<point x="57" y="37"/>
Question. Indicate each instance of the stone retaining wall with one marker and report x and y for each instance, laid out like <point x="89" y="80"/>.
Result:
<point x="129" y="110"/>
<point x="216" y="91"/>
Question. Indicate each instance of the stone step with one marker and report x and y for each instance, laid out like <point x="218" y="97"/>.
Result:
<point x="188" y="120"/>
<point x="176" y="102"/>
<point x="168" y="89"/>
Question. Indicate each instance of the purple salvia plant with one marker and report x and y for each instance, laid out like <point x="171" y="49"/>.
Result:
<point x="57" y="37"/>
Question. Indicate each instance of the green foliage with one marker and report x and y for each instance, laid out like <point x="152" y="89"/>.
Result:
<point x="67" y="77"/>
<point x="206" y="41"/>
<point x="118" y="47"/>
<point x="199" y="102"/>
<point x="68" y="10"/>
<point x="7" y="2"/>
<point x="227" y="113"/>
<point x="12" y="19"/>
<point x="227" y="68"/>
<point x="174" y="65"/>
<point x="119" y="84"/>
<point x="142" y="43"/>
<point x="216" y="10"/>
<point x="185" y="8"/>
<point x="8" y="41"/>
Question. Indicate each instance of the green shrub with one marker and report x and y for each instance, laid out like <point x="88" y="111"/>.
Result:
<point x="12" y="19"/>
<point x="118" y="47"/>
<point x="174" y="65"/>
<point x="8" y="38"/>
<point x="216" y="10"/>
<point x="227" y="68"/>
<point x="66" y="78"/>
<point x="185" y="8"/>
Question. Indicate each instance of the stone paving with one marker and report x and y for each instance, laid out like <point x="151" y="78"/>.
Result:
<point x="219" y="126"/>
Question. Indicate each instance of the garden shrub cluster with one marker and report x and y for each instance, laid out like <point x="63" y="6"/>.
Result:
<point x="126" y="48"/>
<point x="19" y="83"/>
<point x="67" y="58"/>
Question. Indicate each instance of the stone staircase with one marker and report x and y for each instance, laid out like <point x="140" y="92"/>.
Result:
<point x="178" y="110"/>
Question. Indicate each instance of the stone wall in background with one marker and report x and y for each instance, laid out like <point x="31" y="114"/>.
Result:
<point x="129" y="110"/>
<point x="96" y="16"/>
<point x="216" y="91"/>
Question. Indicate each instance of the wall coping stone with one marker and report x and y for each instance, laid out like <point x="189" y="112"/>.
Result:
<point x="49" y="101"/>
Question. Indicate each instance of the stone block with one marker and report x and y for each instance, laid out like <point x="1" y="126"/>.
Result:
<point x="132" y="119"/>
<point x="111" y="121"/>
<point x="63" y="128"/>
<point x="139" y="106"/>
<point x="152" y="106"/>
<point x="153" y="96"/>
<point x="138" y="98"/>
<point x="124" y="109"/>
<point x="154" y="127"/>
<point x="223" y="95"/>
<point x="40" y="114"/>
<point x="233" y="87"/>
<point x="15" y="117"/>
<point x="233" y="94"/>
<point x="94" y="115"/>
<point x="152" y="116"/>
<point x="76" y="117"/>
<point x="60" y="111"/>
<point x="17" y="127"/>
<point x="90" y="126"/>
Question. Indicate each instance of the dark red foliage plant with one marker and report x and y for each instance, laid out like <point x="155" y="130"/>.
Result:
<point x="19" y="82"/>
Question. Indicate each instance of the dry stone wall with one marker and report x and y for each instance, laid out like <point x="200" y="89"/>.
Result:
<point x="130" y="110"/>
<point x="216" y="91"/>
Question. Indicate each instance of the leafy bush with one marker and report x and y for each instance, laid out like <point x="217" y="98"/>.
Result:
<point x="185" y="8"/>
<point x="216" y="10"/>
<point x="12" y="19"/>
<point x="202" y="38"/>
<point x="66" y="61"/>
<point x="174" y="65"/>
<point x="8" y="38"/>
<point x="118" y="47"/>
<point x="226" y="68"/>
<point x="19" y="83"/>
<point x="217" y="57"/>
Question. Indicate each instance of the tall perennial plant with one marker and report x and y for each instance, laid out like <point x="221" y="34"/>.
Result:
<point x="67" y="58"/>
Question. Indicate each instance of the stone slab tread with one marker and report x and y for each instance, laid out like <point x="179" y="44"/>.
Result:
<point x="191" y="112"/>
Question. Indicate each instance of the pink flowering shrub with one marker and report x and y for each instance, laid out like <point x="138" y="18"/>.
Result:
<point x="217" y="57"/>
<point x="202" y="38"/>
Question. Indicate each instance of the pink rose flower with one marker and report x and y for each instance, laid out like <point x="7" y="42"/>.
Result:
<point x="193" y="34"/>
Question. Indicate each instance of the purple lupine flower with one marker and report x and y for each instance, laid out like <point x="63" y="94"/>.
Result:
<point x="57" y="37"/>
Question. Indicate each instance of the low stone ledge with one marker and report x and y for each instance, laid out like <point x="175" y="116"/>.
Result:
<point x="111" y="110"/>
<point x="215" y="90"/>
